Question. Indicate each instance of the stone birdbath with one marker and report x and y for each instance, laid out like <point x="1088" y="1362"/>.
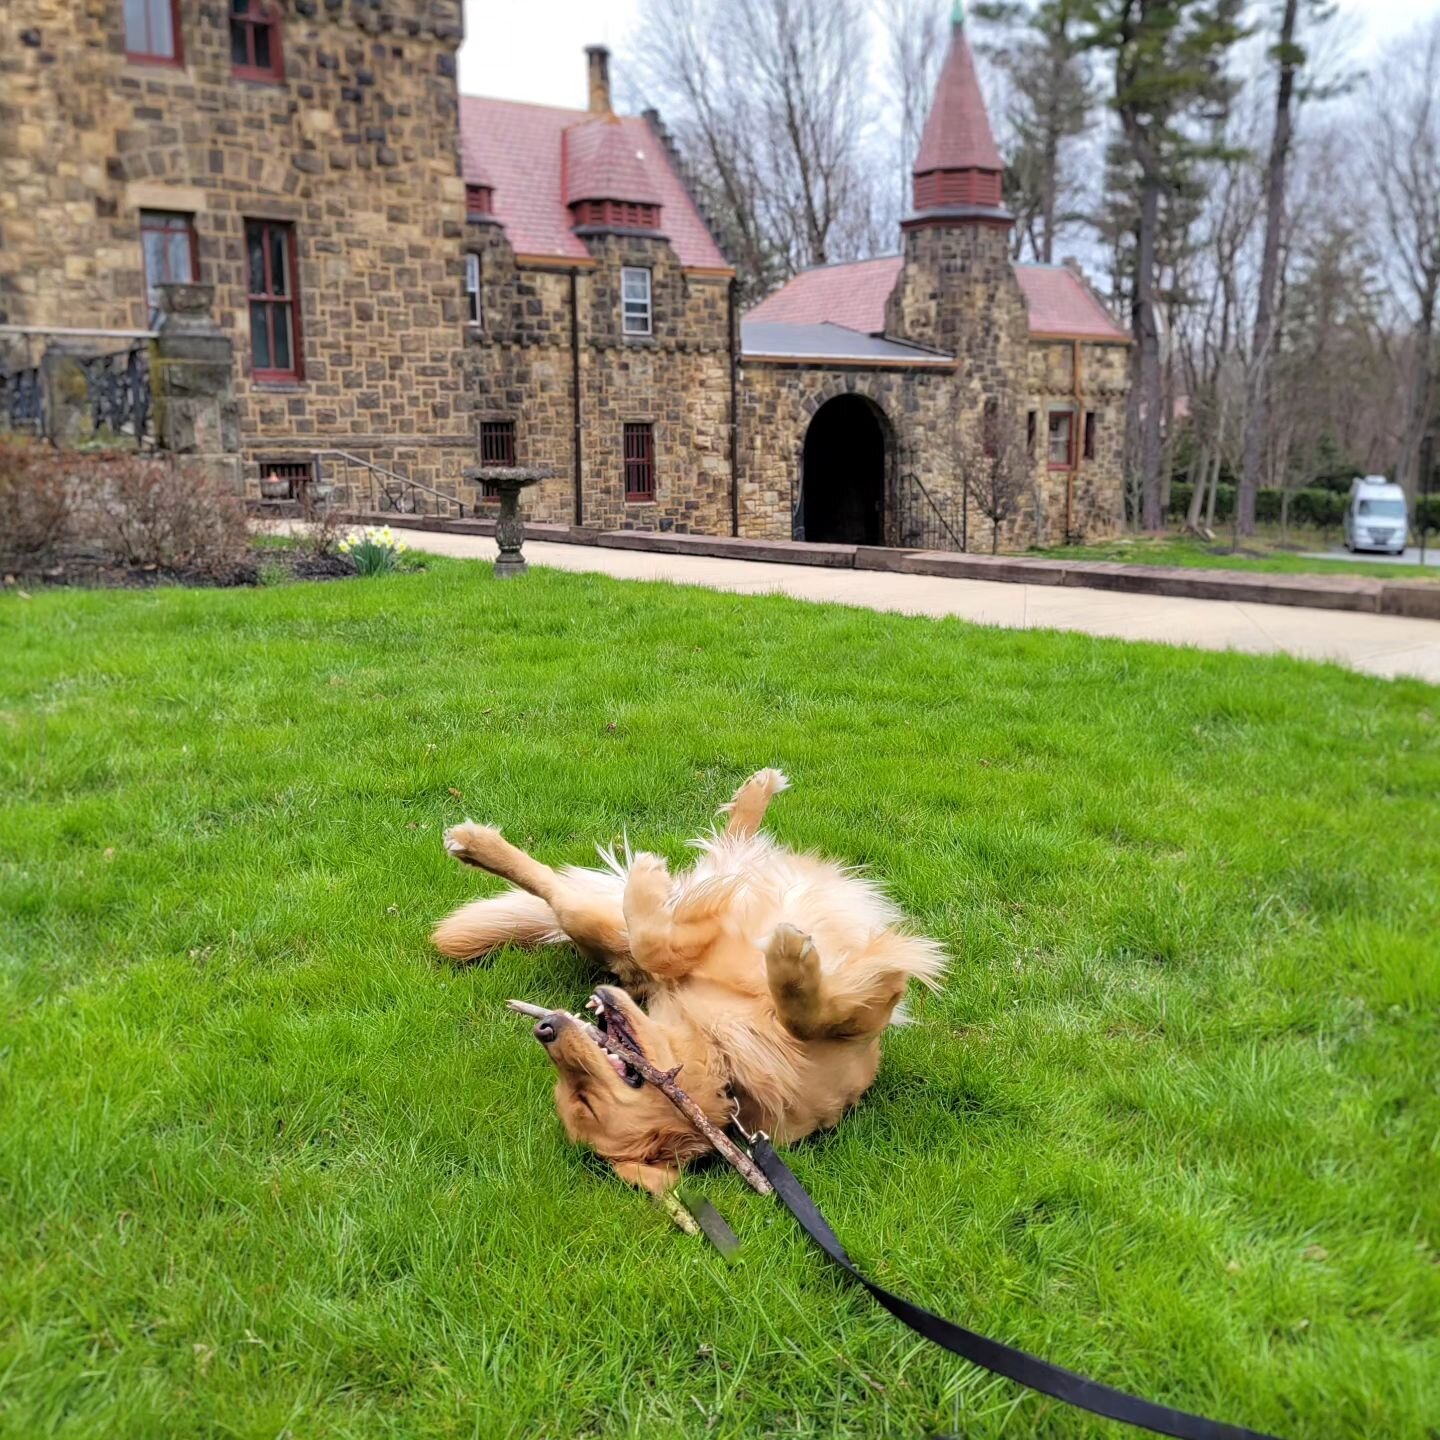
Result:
<point x="510" y="480"/>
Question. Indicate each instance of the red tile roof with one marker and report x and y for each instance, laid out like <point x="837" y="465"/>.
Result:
<point x="1061" y="303"/>
<point x="851" y="295"/>
<point x="519" y="149"/>
<point x="854" y="296"/>
<point x="605" y="160"/>
<point x="957" y="131"/>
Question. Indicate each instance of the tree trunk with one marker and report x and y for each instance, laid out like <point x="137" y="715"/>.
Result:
<point x="1257" y="380"/>
<point x="1147" y="342"/>
<point x="1199" y="474"/>
<point x="1418" y="413"/>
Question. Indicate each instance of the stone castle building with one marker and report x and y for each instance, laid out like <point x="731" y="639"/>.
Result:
<point x="430" y="282"/>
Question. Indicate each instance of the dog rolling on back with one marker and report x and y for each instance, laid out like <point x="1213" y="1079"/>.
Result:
<point x="767" y="975"/>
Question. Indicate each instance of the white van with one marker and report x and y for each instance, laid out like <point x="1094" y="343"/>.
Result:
<point x="1375" y="516"/>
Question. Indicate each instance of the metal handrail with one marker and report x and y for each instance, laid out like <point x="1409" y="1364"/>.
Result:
<point x="915" y="480"/>
<point x="395" y="475"/>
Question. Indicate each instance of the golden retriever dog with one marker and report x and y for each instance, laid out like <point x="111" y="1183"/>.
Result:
<point x="768" y="977"/>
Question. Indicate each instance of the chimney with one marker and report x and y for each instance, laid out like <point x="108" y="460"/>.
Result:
<point x="597" y="59"/>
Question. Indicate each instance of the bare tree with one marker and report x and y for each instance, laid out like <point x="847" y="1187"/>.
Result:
<point x="769" y="105"/>
<point x="995" y="465"/>
<point x="914" y="48"/>
<point x="1404" y="121"/>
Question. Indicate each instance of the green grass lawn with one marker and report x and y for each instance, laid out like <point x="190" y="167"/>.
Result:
<point x="1257" y="554"/>
<point x="268" y="1169"/>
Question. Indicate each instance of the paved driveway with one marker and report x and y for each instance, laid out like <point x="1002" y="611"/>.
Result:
<point x="1408" y="557"/>
<point x="1378" y="644"/>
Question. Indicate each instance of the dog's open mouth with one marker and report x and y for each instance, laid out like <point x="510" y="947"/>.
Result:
<point x="610" y="1023"/>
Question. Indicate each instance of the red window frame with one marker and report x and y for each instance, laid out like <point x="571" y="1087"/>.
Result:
<point x="479" y="200"/>
<point x="1068" y="416"/>
<point x="248" y="18"/>
<point x="639" y="462"/>
<point x="497" y="447"/>
<point x="167" y="222"/>
<point x="176" y="57"/>
<point x="273" y="300"/>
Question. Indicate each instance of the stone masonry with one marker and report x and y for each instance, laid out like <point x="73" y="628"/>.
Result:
<point x="356" y="147"/>
<point x="521" y="368"/>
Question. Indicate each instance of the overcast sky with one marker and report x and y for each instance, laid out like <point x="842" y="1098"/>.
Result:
<point x="533" y="49"/>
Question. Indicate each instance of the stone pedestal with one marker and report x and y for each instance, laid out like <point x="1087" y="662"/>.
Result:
<point x="510" y="527"/>
<point x="192" y="367"/>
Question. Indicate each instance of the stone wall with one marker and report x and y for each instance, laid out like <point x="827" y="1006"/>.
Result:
<point x="357" y="146"/>
<point x="520" y="367"/>
<point x="777" y="404"/>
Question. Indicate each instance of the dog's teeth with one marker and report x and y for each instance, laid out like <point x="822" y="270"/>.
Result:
<point x="593" y="1003"/>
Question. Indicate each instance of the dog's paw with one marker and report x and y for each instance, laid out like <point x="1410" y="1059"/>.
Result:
<point x="768" y="782"/>
<point x="470" y="843"/>
<point x="789" y="954"/>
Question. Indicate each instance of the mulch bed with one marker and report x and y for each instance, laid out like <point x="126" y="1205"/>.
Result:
<point x="98" y="572"/>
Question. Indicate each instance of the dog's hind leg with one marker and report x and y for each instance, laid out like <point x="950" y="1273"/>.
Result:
<point x="747" y="809"/>
<point x="807" y="1004"/>
<point x="581" y="908"/>
<point x="483" y="925"/>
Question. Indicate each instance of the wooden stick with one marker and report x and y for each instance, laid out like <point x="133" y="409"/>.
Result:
<point x="664" y="1082"/>
<point x="535" y="1012"/>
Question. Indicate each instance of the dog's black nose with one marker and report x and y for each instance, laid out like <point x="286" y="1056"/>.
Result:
<point x="545" y="1031"/>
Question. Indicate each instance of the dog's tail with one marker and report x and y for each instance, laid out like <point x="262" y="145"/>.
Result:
<point x="479" y="927"/>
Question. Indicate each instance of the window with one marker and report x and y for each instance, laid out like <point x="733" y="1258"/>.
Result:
<point x="472" y="289"/>
<point x="497" y="447"/>
<point x="1089" y="434"/>
<point x="479" y="200"/>
<point x="1060" y="439"/>
<point x="274" y="315"/>
<point x="167" y="242"/>
<point x="640" y="458"/>
<point x="285" y="479"/>
<point x="152" y="32"/>
<point x="1030" y="427"/>
<point x="635" y="299"/>
<point x="255" y="40"/>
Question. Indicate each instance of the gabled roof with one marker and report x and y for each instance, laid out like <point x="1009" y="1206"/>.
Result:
<point x="1061" y="303"/>
<point x="957" y="131"/>
<point x="520" y="150"/>
<point x="854" y="296"/>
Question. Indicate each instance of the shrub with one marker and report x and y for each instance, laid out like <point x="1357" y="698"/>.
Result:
<point x="35" y="499"/>
<point x="375" y="550"/>
<point x="145" y="511"/>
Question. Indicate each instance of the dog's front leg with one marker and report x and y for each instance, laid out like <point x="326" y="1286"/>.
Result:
<point x="750" y="802"/>
<point x="668" y="941"/>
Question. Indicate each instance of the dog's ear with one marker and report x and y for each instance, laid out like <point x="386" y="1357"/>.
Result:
<point x="657" y="1179"/>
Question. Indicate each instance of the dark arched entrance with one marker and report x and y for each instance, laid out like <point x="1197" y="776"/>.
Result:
<point x="842" y="489"/>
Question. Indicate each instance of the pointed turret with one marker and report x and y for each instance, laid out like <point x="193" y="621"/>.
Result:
<point x="958" y="171"/>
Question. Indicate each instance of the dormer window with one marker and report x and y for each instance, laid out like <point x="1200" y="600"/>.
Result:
<point x="255" y="41"/>
<point x="635" y="300"/>
<point x="479" y="201"/>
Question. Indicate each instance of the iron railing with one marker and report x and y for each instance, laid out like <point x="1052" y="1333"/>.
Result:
<point x="118" y="389"/>
<point x="22" y="399"/>
<point x="117" y="396"/>
<point x="350" y="482"/>
<point x="923" y="522"/>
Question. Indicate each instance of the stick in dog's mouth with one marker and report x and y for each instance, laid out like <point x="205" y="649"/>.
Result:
<point x="608" y="1020"/>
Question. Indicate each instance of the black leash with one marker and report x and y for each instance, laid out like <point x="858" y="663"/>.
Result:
<point x="1006" y="1360"/>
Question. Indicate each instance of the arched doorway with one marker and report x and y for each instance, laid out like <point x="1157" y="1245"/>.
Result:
<point x="842" y="489"/>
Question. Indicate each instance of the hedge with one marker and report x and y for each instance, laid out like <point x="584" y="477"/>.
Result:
<point x="1313" y="509"/>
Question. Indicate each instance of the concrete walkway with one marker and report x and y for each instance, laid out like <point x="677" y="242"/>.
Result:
<point x="1377" y="644"/>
